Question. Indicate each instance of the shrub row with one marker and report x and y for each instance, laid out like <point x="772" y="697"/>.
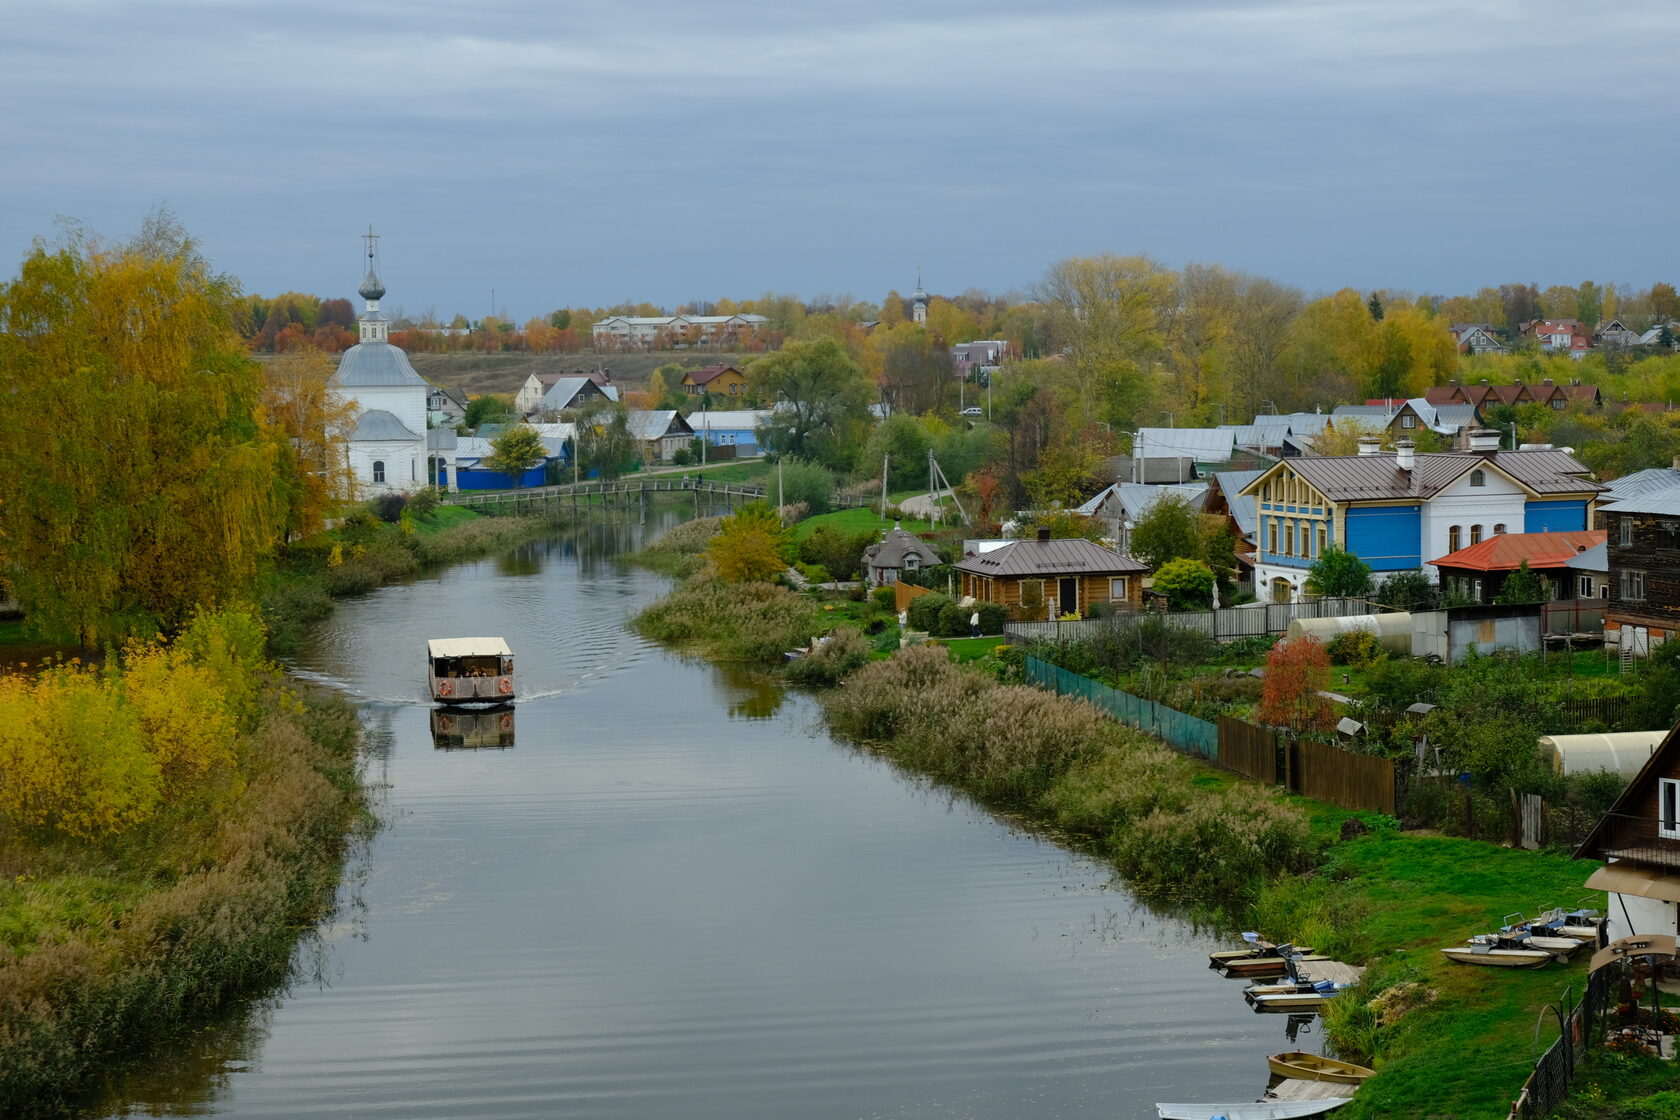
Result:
<point x="754" y="622"/>
<point x="1066" y="761"/>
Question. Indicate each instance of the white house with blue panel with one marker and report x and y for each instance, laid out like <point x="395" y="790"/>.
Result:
<point x="1397" y="509"/>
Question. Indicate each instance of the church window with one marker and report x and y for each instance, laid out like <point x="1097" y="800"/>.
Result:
<point x="379" y="470"/>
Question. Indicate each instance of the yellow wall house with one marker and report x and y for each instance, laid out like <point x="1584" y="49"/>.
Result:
<point x="725" y="381"/>
<point x="1046" y="578"/>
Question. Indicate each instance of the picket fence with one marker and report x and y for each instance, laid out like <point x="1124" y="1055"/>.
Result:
<point x="1249" y="621"/>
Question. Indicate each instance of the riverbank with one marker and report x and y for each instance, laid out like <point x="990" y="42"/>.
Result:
<point x="172" y="828"/>
<point x="1447" y="1040"/>
<point x="364" y="552"/>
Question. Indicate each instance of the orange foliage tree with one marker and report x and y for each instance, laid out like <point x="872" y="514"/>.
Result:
<point x="1297" y="670"/>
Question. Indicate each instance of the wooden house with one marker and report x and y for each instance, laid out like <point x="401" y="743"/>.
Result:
<point x="899" y="551"/>
<point x="1643" y="537"/>
<point x="1639" y="840"/>
<point x="1478" y="571"/>
<point x="1046" y="578"/>
<point x="724" y="381"/>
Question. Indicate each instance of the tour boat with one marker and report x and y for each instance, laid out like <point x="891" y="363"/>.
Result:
<point x="469" y="671"/>
<point x="1312" y="1067"/>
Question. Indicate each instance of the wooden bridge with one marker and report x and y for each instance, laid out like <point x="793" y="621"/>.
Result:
<point x="623" y="492"/>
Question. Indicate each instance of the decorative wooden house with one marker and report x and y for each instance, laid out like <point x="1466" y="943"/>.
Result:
<point x="1639" y="838"/>
<point x="899" y="551"/>
<point x="1046" y="578"/>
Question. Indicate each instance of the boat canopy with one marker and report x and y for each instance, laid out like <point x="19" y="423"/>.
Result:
<point x="467" y="647"/>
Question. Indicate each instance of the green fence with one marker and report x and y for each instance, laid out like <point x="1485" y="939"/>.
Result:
<point x="1187" y="733"/>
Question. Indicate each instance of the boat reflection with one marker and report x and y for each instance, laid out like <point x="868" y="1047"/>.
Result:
<point x="454" y="729"/>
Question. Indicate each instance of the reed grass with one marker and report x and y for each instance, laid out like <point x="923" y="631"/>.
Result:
<point x="747" y="622"/>
<point x="101" y="945"/>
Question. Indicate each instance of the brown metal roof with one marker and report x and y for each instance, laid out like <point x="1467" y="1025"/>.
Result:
<point x="1368" y="478"/>
<point x="1051" y="558"/>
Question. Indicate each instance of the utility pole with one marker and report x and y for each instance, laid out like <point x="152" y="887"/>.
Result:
<point x="781" y="502"/>
<point x="884" y="459"/>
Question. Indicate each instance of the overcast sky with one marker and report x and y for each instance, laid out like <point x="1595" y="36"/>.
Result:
<point x="563" y="154"/>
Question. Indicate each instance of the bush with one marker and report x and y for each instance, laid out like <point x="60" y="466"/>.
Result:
<point x="835" y="658"/>
<point x="754" y="622"/>
<point x="992" y="617"/>
<point x="924" y="611"/>
<point x="389" y="507"/>
<point x="838" y="551"/>
<point x="808" y="484"/>
<point x="681" y="457"/>
<point x="423" y="502"/>
<point x="885" y="598"/>
<point x="1355" y="648"/>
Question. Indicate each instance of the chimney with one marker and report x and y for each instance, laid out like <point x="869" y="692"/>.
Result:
<point x="1677" y="462"/>
<point x="1546" y="382"/>
<point x="1369" y="445"/>
<point x="1044" y="534"/>
<point x="1484" y="381"/>
<point x="1484" y="441"/>
<point x="1405" y="455"/>
<point x="1453" y="381"/>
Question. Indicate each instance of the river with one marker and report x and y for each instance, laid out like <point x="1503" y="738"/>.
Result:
<point x="673" y="895"/>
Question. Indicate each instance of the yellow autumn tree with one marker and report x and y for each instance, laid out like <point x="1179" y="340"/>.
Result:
<point x="144" y="478"/>
<point x="750" y="545"/>
<point x="316" y="423"/>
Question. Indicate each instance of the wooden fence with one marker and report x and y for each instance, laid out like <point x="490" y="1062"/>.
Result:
<point x="1248" y="750"/>
<point x="1353" y="781"/>
<point x="1319" y="770"/>
<point x="623" y="491"/>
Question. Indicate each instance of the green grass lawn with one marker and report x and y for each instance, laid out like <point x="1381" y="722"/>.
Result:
<point x="444" y="517"/>
<point x="971" y="649"/>
<point x="854" y="521"/>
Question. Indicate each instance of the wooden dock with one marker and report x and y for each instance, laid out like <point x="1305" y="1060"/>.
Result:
<point x="1294" y="1089"/>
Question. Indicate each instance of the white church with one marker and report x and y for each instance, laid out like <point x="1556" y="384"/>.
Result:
<point x="389" y="449"/>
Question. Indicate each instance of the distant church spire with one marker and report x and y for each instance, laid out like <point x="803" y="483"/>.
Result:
<point x="374" y="325"/>
<point x="918" y="301"/>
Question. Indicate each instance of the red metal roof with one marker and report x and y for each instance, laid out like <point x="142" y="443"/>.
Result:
<point x="1506" y="551"/>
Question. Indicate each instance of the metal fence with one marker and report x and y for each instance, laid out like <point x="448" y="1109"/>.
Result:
<point x="1187" y="733"/>
<point x="1554" y="1072"/>
<point x="1224" y="625"/>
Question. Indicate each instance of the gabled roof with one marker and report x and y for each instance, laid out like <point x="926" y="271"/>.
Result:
<point x="1635" y="798"/>
<point x="376" y="424"/>
<point x="1375" y="478"/>
<point x="1647" y="481"/>
<point x="1594" y="559"/>
<point x="706" y="374"/>
<point x="1244" y="507"/>
<point x="655" y="424"/>
<point x="1135" y="498"/>
<point x="1209" y="444"/>
<point x="1505" y="552"/>
<point x="564" y="392"/>
<point x="1033" y="558"/>
<point x="1663" y="503"/>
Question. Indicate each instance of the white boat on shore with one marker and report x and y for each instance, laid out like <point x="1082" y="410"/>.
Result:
<point x="1248" y="1110"/>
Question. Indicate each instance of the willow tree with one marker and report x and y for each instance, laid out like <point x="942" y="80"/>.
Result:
<point x="142" y="477"/>
<point x="315" y="422"/>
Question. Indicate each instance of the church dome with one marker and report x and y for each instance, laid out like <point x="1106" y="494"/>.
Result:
<point x="371" y="287"/>
<point x="376" y="363"/>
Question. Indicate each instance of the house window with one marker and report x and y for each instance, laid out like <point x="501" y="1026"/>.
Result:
<point x="1558" y="402"/>
<point x="1633" y="585"/>
<point x="1478" y="478"/>
<point x="1584" y="587"/>
<point x="379" y="470"/>
<point x="1322" y="540"/>
<point x="1306" y="540"/>
<point x="1117" y="589"/>
<point x="1624" y="530"/>
<point x="1274" y="537"/>
<point x="1668" y="808"/>
<point x="1475" y="534"/>
<point x="1289" y="539"/>
<point x="1032" y="591"/>
<point x="1408" y="421"/>
<point x="911" y="561"/>
<point x="1476" y="590"/>
<point x="1454" y="540"/>
<point x="1499" y="529"/>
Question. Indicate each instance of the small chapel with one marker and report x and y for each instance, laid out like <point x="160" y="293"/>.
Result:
<point x="388" y="448"/>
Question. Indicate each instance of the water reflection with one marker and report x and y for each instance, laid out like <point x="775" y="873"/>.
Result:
<point x="455" y="729"/>
<point x="752" y="693"/>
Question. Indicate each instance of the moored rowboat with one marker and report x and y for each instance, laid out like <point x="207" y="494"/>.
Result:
<point x="1497" y="958"/>
<point x="1313" y="1067"/>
